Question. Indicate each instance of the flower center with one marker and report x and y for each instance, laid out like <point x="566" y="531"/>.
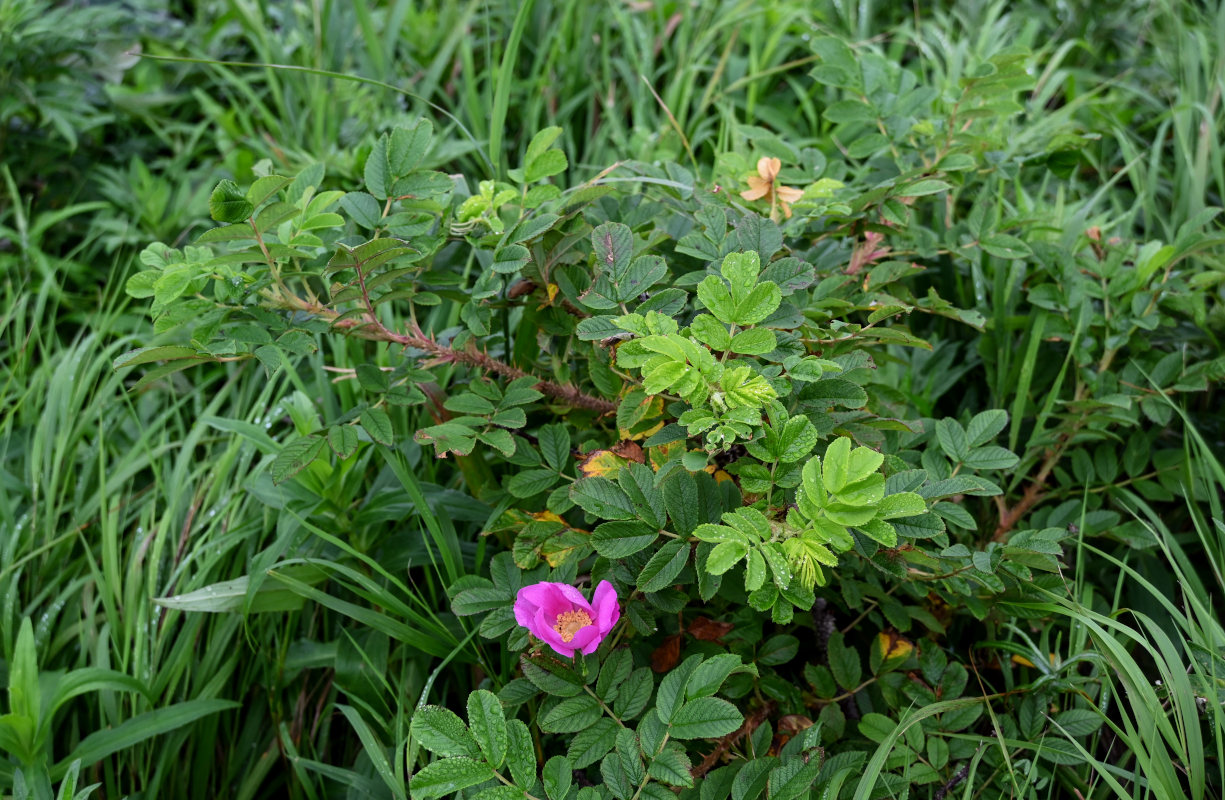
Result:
<point x="571" y="622"/>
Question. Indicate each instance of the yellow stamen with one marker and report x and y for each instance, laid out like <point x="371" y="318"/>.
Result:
<point x="571" y="622"/>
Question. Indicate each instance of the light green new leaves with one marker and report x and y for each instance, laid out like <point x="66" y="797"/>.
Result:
<point x="746" y="533"/>
<point x="847" y="491"/>
<point x="785" y="440"/>
<point x="541" y="160"/>
<point x="739" y="299"/>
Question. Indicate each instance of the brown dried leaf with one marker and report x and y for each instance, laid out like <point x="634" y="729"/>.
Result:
<point x="630" y="450"/>
<point x="709" y="631"/>
<point x="667" y="654"/>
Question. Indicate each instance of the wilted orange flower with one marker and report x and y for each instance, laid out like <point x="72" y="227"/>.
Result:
<point x="763" y="185"/>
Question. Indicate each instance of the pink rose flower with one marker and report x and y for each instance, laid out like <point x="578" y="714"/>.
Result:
<point x="558" y="615"/>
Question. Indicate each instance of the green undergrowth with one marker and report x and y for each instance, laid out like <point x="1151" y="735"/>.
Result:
<point x="871" y="354"/>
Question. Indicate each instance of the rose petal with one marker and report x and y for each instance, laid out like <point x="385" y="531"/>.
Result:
<point x="587" y="639"/>
<point x="574" y="596"/>
<point x="542" y="629"/>
<point x="552" y="598"/>
<point x="607" y="609"/>
<point x="768" y="168"/>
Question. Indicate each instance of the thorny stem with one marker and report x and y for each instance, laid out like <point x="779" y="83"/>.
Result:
<point x="441" y="354"/>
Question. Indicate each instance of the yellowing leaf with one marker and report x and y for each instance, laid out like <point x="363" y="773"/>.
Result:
<point x="601" y="464"/>
<point x="658" y="456"/>
<point x="639" y="435"/>
<point x="893" y="645"/>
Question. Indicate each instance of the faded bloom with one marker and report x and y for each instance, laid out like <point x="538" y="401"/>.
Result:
<point x="558" y="615"/>
<point x="763" y="184"/>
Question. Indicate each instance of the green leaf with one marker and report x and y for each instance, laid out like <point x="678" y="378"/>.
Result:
<point x="343" y="440"/>
<point x="759" y="304"/>
<point x="613" y="673"/>
<point x="146" y="355"/>
<point x="991" y="457"/>
<point x="718" y="300"/>
<point x="447" y="776"/>
<point x="614" y="247"/>
<point x="844" y="662"/>
<point x="25" y="698"/>
<point x="602" y="498"/>
<point x="1002" y="245"/>
<point x="531" y="482"/>
<point x="520" y="753"/>
<point x="372" y="379"/>
<point x="845" y="111"/>
<point x="510" y="259"/>
<point x="296" y="456"/>
<point x="754" y="342"/>
<point x="376" y="423"/>
<point x="778" y="649"/>
<point x="923" y="187"/>
<point x="449" y="437"/>
<point x="710" y="332"/>
<point x="228" y="203"/>
<point x="548" y="675"/>
<point x="487" y="723"/>
<point x="724" y="556"/>
<point x="672" y="767"/>
<point x="661" y="571"/>
<point x="557" y="775"/>
<point x="572" y="715"/>
<point x="469" y="403"/>
<point x="1079" y="721"/>
<point x="634" y="694"/>
<point x="408" y="145"/>
<point x="377" y="173"/>
<point x="837" y="391"/>
<point x="554" y="445"/>
<point x="442" y="732"/>
<point x="986" y="426"/>
<point x="363" y="208"/>
<point x="953" y="439"/>
<point x="741" y="271"/>
<point x="590" y="745"/>
<point x="711" y="673"/>
<point x="622" y="538"/>
<point x="705" y="718"/>
<point x="265" y="187"/>
<point x="902" y="504"/>
<point x="835" y="472"/>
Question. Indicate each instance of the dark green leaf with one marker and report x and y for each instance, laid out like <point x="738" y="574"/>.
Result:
<point x="442" y="732"/>
<point x="705" y="718"/>
<point x="664" y="566"/>
<point x="572" y="715"/>
<point x="447" y="776"/>
<point x="228" y="203"/>
<point x="296" y="456"/>
<point x="376" y="423"/>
